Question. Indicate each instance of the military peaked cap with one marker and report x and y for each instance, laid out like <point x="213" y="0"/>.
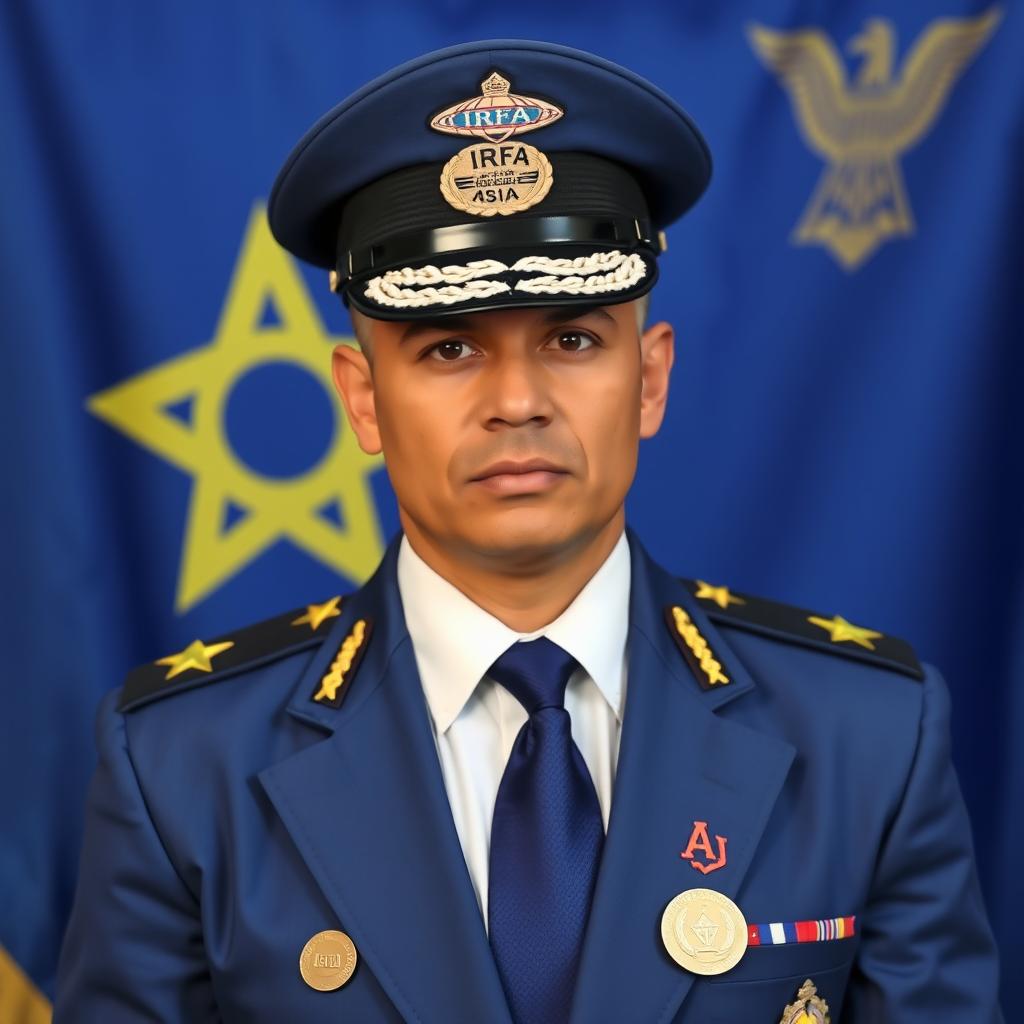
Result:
<point x="490" y="175"/>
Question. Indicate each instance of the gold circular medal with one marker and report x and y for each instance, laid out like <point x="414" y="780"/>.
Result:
<point x="496" y="177"/>
<point x="327" y="961"/>
<point x="704" y="931"/>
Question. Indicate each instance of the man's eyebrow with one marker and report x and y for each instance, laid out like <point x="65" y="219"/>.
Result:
<point x="445" y="323"/>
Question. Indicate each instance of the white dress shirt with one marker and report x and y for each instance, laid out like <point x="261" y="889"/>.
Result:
<point x="476" y="720"/>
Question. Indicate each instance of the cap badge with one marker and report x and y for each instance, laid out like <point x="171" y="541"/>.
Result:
<point x="496" y="176"/>
<point x="486" y="178"/>
<point x="496" y="115"/>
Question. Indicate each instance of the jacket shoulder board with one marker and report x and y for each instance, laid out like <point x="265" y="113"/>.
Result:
<point x="200" y="663"/>
<point x="832" y="633"/>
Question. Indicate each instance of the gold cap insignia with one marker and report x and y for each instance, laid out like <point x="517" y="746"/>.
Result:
<point x="490" y="178"/>
<point x="332" y="687"/>
<point x="487" y="179"/>
<point x="327" y="961"/>
<point x="497" y="114"/>
<point x="809" y="1007"/>
<point x="695" y="649"/>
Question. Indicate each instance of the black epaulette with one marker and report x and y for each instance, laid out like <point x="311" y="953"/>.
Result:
<point x="202" y="663"/>
<point x="831" y="633"/>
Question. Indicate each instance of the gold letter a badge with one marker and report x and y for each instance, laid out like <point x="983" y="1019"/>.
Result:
<point x="862" y="129"/>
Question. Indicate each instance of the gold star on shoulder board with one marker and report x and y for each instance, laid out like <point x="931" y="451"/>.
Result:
<point x="317" y="614"/>
<point x="839" y="630"/>
<point x="720" y="595"/>
<point x="197" y="655"/>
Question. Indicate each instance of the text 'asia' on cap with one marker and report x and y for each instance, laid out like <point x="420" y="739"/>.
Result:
<point x="488" y="175"/>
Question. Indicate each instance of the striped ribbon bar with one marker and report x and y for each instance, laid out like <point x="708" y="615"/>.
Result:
<point x="781" y="932"/>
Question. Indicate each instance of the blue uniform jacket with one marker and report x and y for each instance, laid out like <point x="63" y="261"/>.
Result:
<point x="232" y="817"/>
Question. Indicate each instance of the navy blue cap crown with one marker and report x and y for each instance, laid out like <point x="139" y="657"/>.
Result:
<point x="487" y="175"/>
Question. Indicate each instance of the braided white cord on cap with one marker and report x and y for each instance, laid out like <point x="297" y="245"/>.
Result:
<point x="581" y="265"/>
<point x="393" y="288"/>
<point x="443" y="275"/>
<point x="628" y="273"/>
<point x="387" y="294"/>
<point x="607" y="272"/>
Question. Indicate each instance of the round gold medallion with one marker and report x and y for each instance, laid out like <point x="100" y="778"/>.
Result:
<point x="327" y="961"/>
<point x="704" y="931"/>
<point x="500" y="177"/>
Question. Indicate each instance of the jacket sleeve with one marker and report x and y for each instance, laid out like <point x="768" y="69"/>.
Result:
<point x="927" y="953"/>
<point x="133" y="950"/>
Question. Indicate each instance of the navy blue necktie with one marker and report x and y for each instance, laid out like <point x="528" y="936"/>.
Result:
<point x="546" y="841"/>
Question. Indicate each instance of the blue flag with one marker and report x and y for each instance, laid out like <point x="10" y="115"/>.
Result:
<point x="843" y="431"/>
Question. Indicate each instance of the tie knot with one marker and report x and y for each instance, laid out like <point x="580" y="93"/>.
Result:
<point x="535" y="672"/>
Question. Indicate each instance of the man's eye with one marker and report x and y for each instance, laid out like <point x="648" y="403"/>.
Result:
<point x="573" y="341"/>
<point x="450" y="351"/>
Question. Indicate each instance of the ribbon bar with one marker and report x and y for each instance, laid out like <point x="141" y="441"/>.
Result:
<point x="779" y="933"/>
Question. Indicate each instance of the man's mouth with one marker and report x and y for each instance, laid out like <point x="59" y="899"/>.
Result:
<point x="529" y="476"/>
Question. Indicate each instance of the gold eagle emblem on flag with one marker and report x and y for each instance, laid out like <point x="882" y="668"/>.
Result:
<point x="862" y="128"/>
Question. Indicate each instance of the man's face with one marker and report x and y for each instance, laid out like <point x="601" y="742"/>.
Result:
<point x="512" y="435"/>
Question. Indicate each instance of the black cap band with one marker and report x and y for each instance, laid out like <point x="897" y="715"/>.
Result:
<point x="529" y="232"/>
<point x="404" y="250"/>
<point x="404" y="216"/>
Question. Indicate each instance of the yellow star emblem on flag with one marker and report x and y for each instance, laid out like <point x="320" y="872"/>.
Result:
<point x="197" y="655"/>
<point x="720" y="595"/>
<point x="839" y="630"/>
<point x="295" y="507"/>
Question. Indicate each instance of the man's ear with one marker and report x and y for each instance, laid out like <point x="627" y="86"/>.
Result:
<point x="354" y="383"/>
<point x="657" y="353"/>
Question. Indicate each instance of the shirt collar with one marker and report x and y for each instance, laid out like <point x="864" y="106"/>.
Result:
<point x="592" y="629"/>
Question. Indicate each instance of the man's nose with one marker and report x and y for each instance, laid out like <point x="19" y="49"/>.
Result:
<point x="517" y="392"/>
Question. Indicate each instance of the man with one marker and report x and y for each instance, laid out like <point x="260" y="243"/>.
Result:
<point x="524" y="774"/>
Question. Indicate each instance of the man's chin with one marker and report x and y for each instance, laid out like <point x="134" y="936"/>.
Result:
<point x="525" y="538"/>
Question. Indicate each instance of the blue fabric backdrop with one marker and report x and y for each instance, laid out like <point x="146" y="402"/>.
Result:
<point x="843" y="431"/>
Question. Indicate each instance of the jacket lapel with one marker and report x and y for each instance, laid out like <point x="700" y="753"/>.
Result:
<point x="679" y="763"/>
<point x="367" y="810"/>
